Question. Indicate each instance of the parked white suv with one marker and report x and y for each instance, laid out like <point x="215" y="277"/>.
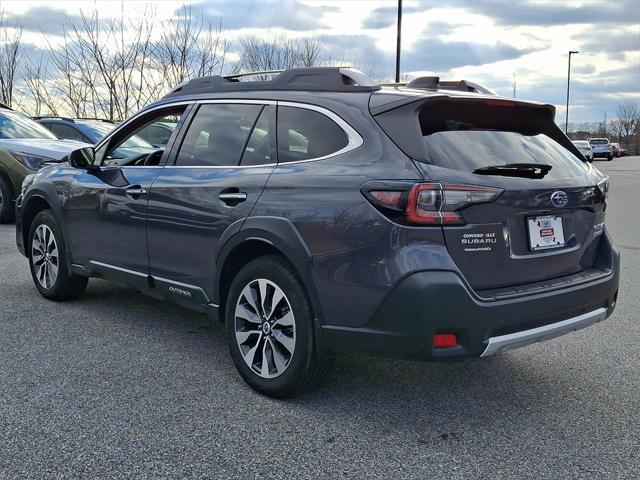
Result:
<point x="585" y="149"/>
<point x="601" y="148"/>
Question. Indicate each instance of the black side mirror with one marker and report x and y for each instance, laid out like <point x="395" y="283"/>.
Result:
<point x="82" y="158"/>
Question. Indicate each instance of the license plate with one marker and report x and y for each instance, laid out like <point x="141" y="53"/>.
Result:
<point x="545" y="232"/>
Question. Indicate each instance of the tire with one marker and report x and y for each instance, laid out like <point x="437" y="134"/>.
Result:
<point x="48" y="260"/>
<point x="609" y="157"/>
<point x="291" y="360"/>
<point x="6" y="200"/>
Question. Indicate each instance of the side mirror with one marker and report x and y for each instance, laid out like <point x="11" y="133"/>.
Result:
<point x="82" y="158"/>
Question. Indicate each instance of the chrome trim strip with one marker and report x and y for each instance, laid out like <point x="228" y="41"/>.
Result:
<point x="354" y="138"/>
<point x="503" y="343"/>
<point x="120" y="269"/>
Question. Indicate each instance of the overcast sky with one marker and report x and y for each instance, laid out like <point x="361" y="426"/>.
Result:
<point x="487" y="41"/>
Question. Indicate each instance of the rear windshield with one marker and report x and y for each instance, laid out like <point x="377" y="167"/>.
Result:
<point x="598" y="141"/>
<point x="471" y="135"/>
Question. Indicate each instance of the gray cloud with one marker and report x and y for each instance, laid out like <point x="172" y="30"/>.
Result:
<point x="437" y="55"/>
<point x="384" y="17"/>
<point x="551" y="13"/>
<point x="42" y="19"/>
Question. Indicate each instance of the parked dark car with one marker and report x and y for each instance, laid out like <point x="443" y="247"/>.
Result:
<point x="24" y="147"/>
<point x="92" y="130"/>
<point x="318" y="212"/>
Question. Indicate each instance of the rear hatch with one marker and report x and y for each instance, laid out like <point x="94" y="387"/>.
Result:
<point x="547" y="217"/>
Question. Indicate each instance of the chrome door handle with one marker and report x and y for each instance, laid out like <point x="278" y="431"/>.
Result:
<point x="237" y="197"/>
<point x="136" y="191"/>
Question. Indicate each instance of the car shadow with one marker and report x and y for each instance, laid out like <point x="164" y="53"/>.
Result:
<point x="420" y="399"/>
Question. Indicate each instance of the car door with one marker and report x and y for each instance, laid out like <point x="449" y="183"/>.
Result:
<point x="219" y="171"/>
<point x="107" y="209"/>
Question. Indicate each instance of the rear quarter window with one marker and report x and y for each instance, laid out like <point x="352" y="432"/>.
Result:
<point x="305" y="134"/>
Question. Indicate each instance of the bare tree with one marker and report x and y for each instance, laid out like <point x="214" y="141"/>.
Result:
<point x="188" y="47"/>
<point x="10" y="52"/>
<point x="278" y="52"/>
<point x="628" y="121"/>
<point x="38" y="88"/>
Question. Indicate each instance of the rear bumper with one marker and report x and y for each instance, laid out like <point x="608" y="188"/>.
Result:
<point x="430" y="302"/>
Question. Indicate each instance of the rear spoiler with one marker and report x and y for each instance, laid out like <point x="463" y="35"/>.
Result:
<point x="392" y="117"/>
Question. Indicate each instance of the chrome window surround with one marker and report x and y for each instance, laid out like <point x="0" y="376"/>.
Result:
<point x="354" y="138"/>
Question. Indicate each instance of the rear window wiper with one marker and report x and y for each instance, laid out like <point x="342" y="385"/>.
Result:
<point x="526" y="170"/>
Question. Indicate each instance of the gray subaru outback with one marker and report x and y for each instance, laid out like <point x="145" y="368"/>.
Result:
<point x="319" y="212"/>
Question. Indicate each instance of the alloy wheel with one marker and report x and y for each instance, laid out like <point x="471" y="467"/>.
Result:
<point x="44" y="256"/>
<point x="265" y="328"/>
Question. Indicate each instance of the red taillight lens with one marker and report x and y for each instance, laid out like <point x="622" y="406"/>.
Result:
<point x="388" y="199"/>
<point x="445" y="340"/>
<point x="428" y="203"/>
<point x="435" y="203"/>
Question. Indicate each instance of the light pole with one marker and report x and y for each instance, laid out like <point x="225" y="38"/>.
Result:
<point x="398" y="41"/>
<point x="566" y="118"/>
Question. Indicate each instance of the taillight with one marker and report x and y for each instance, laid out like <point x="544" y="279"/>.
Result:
<point x="429" y="203"/>
<point x="603" y="186"/>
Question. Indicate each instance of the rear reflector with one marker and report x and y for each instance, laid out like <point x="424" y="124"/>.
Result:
<point x="445" y="340"/>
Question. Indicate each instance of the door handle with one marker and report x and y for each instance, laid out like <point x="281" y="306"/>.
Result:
<point x="136" y="191"/>
<point x="233" y="197"/>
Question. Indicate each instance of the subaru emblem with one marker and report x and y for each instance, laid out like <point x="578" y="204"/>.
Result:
<point x="559" y="199"/>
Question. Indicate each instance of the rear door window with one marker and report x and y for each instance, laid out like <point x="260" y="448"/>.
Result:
<point x="305" y="134"/>
<point x="218" y="135"/>
<point x="470" y="135"/>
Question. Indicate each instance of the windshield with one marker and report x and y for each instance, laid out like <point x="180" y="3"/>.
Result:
<point x="16" y="125"/>
<point x="98" y="130"/>
<point x="471" y="135"/>
<point x="581" y="144"/>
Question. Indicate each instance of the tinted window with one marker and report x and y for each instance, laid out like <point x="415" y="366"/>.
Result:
<point x="126" y="147"/>
<point x="305" y="134"/>
<point x="66" y="132"/>
<point x="466" y="136"/>
<point x="261" y="145"/>
<point x="218" y="134"/>
<point x="16" y="125"/>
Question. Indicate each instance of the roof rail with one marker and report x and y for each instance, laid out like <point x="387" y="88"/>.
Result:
<point x="335" y="79"/>
<point x="252" y="74"/>
<point x="436" y="84"/>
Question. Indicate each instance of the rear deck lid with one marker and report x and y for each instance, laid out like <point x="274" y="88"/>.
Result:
<point x="548" y="220"/>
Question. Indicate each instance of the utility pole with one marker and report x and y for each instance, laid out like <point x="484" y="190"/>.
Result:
<point x="566" y="118"/>
<point x="398" y="39"/>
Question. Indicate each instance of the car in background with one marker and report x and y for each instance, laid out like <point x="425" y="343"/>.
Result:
<point x="91" y="130"/>
<point x="25" y="146"/>
<point x="585" y="149"/>
<point x="616" y="150"/>
<point x="158" y="134"/>
<point x="601" y="148"/>
<point x="88" y="130"/>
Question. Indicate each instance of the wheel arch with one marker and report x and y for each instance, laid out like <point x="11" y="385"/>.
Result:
<point x="261" y="236"/>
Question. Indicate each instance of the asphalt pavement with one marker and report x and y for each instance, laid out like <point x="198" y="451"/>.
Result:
<point x="118" y="385"/>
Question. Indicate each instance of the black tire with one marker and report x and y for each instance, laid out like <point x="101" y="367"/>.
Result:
<point x="609" y="157"/>
<point x="6" y="201"/>
<point x="65" y="285"/>
<point x="309" y="363"/>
